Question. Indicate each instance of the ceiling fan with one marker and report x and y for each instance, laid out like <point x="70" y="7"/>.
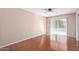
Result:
<point x="48" y="10"/>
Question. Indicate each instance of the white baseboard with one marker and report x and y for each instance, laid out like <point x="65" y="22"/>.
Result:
<point x="20" y="40"/>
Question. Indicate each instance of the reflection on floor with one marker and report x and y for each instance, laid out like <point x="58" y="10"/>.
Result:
<point x="44" y="43"/>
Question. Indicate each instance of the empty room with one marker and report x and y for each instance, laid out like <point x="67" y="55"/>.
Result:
<point x="39" y="29"/>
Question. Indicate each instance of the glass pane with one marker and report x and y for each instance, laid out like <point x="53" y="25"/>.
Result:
<point x="58" y="27"/>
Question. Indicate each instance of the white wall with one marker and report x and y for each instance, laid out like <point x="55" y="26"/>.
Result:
<point x="17" y="25"/>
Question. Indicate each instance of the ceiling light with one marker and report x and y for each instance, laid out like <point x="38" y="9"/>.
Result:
<point x="48" y="10"/>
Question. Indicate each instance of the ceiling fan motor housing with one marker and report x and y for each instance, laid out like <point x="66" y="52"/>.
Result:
<point x="49" y="9"/>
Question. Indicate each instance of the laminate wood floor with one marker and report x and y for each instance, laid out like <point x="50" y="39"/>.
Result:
<point x="45" y="43"/>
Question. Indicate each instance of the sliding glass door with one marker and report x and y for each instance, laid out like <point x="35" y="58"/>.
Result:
<point x="58" y="27"/>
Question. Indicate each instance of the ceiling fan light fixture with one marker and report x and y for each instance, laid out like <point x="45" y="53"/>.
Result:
<point x="48" y="10"/>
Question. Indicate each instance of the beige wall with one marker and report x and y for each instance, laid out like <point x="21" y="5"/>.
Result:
<point x="71" y="19"/>
<point x="72" y="25"/>
<point x="48" y="26"/>
<point x="18" y="24"/>
<point x="77" y="25"/>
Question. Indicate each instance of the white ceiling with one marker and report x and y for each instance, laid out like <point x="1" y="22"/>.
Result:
<point x="56" y="11"/>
